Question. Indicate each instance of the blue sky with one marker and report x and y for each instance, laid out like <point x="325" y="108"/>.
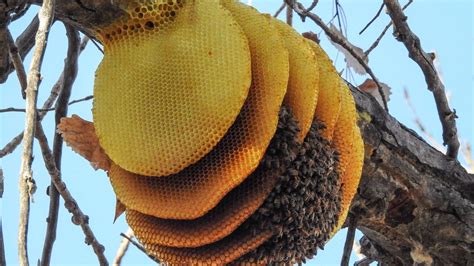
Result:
<point x="443" y="26"/>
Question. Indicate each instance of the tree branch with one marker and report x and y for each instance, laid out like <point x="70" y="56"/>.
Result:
<point x="17" y="64"/>
<point x="26" y="185"/>
<point x="377" y="41"/>
<point x="124" y="243"/>
<point x="78" y="217"/>
<point x="447" y="117"/>
<point x="349" y="240"/>
<point x="408" y="191"/>
<point x="70" y="70"/>
<point x="24" y="43"/>
<point x="298" y="8"/>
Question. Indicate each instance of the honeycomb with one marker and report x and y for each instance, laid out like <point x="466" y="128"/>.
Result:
<point x="221" y="252"/>
<point x="227" y="136"/>
<point x="329" y="98"/>
<point x="231" y="211"/>
<point x="198" y="188"/>
<point x="177" y="106"/>
<point x="302" y="93"/>
<point x="348" y="142"/>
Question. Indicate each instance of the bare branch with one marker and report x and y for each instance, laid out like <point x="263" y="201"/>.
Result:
<point x="289" y="14"/>
<point x="280" y="9"/>
<point x="13" y="144"/>
<point x="346" y="255"/>
<point x="377" y="41"/>
<point x="373" y="19"/>
<point x="137" y="245"/>
<point x="334" y="36"/>
<point x="425" y="62"/>
<point x="26" y="182"/>
<point x="123" y="248"/>
<point x="70" y="71"/>
<point x="17" y="64"/>
<point x="24" y="43"/>
<point x="22" y="110"/>
<point x="78" y="217"/>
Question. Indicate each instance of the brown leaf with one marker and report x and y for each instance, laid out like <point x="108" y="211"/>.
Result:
<point x="119" y="209"/>
<point x="80" y="135"/>
<point x="369" y="86"/>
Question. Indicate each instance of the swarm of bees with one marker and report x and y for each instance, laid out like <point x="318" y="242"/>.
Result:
<point x="228" y="137"/>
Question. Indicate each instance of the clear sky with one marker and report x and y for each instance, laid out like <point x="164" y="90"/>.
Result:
<point x="443" y="26"/>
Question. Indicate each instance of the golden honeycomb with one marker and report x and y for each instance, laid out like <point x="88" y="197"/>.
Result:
<point x="329" y="98"/>
<point x="232" y="210"/>
<point x="226" y="135"/>
<point x="348" y="142"/>
<point x="302" y="93"/>
<point x="221" y="252"/>
<point x="173" y="90"/>
<point x="198" y="188"/>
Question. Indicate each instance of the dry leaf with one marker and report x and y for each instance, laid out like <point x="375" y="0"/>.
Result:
<point x="350" y="60"/>
<point x="80" y="135"/>
<point x="369" y="86"/>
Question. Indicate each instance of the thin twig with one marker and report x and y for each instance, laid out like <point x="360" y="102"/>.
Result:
<point x="2" y="244"/>
<point x="312" y="6"/>
<point x="26" y="182"/>
<point x="346" y="255"/>
<point x="435" y="85"/>
<point x="22" y="110"/>
<point x="17" y="64"/>
<point x="373" y="19"/>
<point x="377" y="41"/>
<point x="78" y="217"/>
<point x="289" y="14"/>
<point x="142" y="249"/>
<point x="122" y="250"/>
<point x="298" y="7"/>
<point x="70" y="70"/>
<point x="13" y="144"/>
<point x="280" y="9"/>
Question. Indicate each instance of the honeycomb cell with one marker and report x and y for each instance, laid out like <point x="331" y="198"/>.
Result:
<point x="233" y="209"/>
<point x="351" y="178"/>
<point x="347" y="141"/>
<point x="222" y="252"/>
<point x="170" y="85"/>
<point x="329" y="98"/>
<point x="198" y="188"/>
<point x="302" y="92"/>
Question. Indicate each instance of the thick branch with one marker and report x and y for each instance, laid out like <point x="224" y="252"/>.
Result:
<point x="412" y="43"/>
<point x="414" y="203"/>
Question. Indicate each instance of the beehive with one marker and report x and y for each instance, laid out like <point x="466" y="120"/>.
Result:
<point x="258" y="167"/>
<point x="159" y="91"/>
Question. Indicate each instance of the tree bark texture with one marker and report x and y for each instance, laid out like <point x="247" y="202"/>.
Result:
<point x="414" y="205"/>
